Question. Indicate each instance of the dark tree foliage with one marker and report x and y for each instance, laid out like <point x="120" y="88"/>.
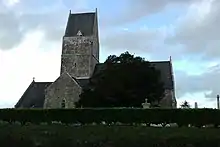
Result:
<point x="185" y="104"/>
<point x="126" y="81"/>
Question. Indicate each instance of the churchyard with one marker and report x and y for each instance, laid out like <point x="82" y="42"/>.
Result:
<point x="109" y="127"/>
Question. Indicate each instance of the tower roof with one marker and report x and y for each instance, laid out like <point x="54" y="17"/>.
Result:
<point x="83" y="22"/>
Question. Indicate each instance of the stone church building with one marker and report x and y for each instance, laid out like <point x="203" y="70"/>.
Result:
<point x="79" y="61"/>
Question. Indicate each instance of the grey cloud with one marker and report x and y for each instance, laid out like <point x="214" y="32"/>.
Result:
<point x="10" y="32"/>
<point x="200" y="33"/>
<point x="197" y="34"/>
<point x="14" y="28"/>
<point x="51" y="23"/>
<point x="143" y="40"/>
<point x="140" y="39"/>
<point x="52" y="18"/>
<point x="199" y="83"/>
<point x="136" y="9"/>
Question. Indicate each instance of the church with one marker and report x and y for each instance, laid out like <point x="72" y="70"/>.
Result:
<point x="79" y="61"/>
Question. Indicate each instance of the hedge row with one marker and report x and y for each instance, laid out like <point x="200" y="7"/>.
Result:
<point x="183" y="117"/>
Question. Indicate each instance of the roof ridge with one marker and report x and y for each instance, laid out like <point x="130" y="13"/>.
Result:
<point x="22" y="97"/>
<point x="42" y="82"/>
<point x="78" y="13"/>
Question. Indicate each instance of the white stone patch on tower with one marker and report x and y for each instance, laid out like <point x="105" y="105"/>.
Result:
<point x="79" y="33"/>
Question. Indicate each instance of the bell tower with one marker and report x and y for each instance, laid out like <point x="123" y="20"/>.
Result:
<point x="80" y="48"/>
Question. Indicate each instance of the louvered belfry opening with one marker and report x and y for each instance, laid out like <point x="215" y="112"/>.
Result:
<point x="63" y="103"/>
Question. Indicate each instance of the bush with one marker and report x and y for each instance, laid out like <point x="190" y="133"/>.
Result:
<point x="183" y="117"/>
<point x="106" y="136"/>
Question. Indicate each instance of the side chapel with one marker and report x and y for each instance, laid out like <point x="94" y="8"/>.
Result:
<point x="79" y="61"/>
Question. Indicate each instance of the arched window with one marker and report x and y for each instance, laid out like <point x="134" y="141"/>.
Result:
<point x="63" y="103"/>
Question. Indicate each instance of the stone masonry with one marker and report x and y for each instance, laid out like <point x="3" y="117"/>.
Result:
<point x="77" y="56"/>
<point x="64" y="88"/>
<point x="168" y="100"/>
<point x="78" y="60"/>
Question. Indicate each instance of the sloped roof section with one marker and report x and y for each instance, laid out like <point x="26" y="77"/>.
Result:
<point x="166" y="73"/>
<point x="83" y="82"/>
<point x="80" y="22"/>
<point x="34" y="96"/>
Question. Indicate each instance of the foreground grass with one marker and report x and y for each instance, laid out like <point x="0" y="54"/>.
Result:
<point x="83" y="136"/>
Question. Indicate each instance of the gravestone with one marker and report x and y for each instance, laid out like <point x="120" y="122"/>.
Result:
<point x="146" y="105"/>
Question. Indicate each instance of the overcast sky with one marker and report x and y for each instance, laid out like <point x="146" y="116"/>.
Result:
<point x="188" y="30"/>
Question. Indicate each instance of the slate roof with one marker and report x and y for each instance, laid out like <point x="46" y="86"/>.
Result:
<point x="165" y="68"/>
<point x="34" y="95"/>
<point x="80" y="21"/>
<point x="83" y="82"/>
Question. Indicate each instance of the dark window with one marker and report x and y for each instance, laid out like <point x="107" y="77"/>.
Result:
<point x="63" y="104"/>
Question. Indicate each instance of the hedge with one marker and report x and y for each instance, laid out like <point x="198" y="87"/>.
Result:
<point x="183" y="117"/>
<point x="106" y="136"/>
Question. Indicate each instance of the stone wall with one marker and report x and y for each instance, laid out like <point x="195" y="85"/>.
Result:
<point x="168" y="100"/>
<point x="96" y="38"/>
<point x="95" y="55"/>
<point x="64" y="88"/>
<point x="77" y="55"/>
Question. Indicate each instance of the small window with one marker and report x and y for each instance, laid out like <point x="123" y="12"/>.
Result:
<point x="79" y="33"/>
<point x="63" y="104"/>
<point x="74" y="64"/>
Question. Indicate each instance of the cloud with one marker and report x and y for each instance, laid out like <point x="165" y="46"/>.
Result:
<point x="23" y="63"/>
<point x="13" y="27"/>
<point x="144" y="40"/>
<point x="134" y="10"/>
<point x="16" y="22"/>
<point x="10" y="3"/>
<point x="141" y="39"/>
<point x="199" y="30"/>
<point x="10" y="31"/>
<point x="206" y="83"/>
<point x="194" y="34"/>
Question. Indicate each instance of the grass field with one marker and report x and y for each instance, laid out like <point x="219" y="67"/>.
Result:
<point x="117" y="136"/>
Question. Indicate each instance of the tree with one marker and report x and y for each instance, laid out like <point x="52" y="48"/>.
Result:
<point x="125" y="81"/>
<point x="185" y="104"/>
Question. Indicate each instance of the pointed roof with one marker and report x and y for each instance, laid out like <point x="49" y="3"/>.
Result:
<point x="65" y="74"/>
<point x="34" y="95"/>
<point x="83" y="22"/>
